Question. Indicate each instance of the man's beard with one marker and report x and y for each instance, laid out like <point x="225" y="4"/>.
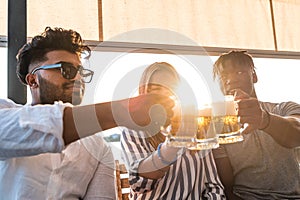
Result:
<point x="49" y="92"/>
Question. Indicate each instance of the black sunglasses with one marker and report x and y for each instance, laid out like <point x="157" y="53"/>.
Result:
<point x="69" y="71"/>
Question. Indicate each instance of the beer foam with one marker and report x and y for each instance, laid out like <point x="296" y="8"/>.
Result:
<point x="207" y="111"/>
<point x="226" y="107"/>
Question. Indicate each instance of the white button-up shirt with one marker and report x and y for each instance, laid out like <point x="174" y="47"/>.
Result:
<point x="83" y="170"/>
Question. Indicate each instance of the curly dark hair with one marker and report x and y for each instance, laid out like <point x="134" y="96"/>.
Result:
<point x="242" y="57"/>
<point x="50" y="40"/>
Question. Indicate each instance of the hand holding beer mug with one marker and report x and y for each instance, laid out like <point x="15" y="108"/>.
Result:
<point x="192" y="128"/>
<point x="183" y="127"/>
<point x="226" y="121"/>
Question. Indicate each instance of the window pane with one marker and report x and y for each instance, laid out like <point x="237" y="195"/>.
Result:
<point x="278" y="79"/>
<point x="117" y="76"/>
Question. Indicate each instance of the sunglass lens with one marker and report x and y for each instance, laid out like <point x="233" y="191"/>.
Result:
<point x="68" y="71"/>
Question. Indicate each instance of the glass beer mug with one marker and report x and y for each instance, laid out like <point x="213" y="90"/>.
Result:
<point x="206" y="137"/>
<point x="193" y="129"/>
<point x="181" y="131"/>
<point x="226" y="121"/>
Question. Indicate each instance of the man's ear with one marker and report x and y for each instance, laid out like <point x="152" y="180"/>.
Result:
<point x="255" y="79"/>
<point x="31" y="80"/>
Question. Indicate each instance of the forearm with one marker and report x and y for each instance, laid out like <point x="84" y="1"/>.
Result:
<point x="155" y="166"/>
<point x="83" y="121"/>
<point x="284" y="130"/>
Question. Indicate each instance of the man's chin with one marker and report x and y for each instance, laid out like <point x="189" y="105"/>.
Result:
<point x="74" y="100"/>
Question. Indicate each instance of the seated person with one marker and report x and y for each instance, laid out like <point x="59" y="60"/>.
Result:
<point x="59" y="123"/>
<point x="155" y="171"/>
<point x="263" y="166"/>
<point x="50" y="65"/>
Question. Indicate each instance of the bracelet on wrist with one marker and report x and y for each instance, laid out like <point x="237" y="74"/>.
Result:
<point x="155" y="166"/>
<point x="162" y="159"/>
<point x="268" y="120"/>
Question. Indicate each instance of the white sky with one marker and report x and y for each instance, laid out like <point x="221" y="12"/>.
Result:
<point x="117" y="76"/>
<point x="123" y="74"/>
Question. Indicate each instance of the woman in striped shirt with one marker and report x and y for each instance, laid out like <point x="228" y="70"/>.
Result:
<point x="158" y="171"/>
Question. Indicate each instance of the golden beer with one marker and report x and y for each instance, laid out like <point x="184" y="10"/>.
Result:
<point x="192" y="132"/>
<point x="181" y="132"/>
<point x="203" y="126"/>
<point x="228" y="127"/>
<point x="205" y="137"/>
<point x="226" y="121"/>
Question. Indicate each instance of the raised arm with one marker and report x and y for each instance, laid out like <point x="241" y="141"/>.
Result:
<point x="289" y="125"/>
<point x="134" y="113"/>
<point x="51" y="127"/>
<point x="282" y="124"/>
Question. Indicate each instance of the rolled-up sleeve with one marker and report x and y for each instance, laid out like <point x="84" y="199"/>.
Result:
<point x="30" y="130"/>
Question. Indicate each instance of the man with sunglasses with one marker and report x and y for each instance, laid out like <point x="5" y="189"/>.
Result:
<point x="50" y="64"/>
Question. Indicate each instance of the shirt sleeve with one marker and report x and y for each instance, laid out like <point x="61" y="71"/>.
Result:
<point x="287" y="109"/>
<point x="136" y="149"/>
<point x="30" y="130"/>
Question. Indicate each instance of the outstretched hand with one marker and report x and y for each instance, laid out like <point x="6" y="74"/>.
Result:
<point x="147" y="111"/>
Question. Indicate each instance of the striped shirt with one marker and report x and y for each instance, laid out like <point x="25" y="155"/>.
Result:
<point x="192" y="176"/>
